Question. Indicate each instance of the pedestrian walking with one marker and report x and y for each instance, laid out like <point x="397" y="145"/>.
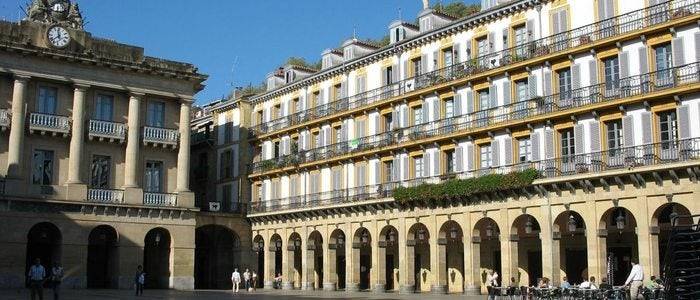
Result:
<point x="254" y="278"/>
<point x="634" y="280"/>
<point x="246" y="279"/>
<point x="56" y="278"/>
<point x="236" y="280"/>
<point x="139" y="280"/>
<point x="37" y="276"/>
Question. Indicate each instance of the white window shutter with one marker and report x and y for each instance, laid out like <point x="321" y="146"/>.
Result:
<point x="506" y="92"/>
<point x="436" y="109"/>
<point x="593" y="72"/>
<point x="458" y="104"/>
<point x="628" y="131"/>
<point x="426" y="164"/>
<point x="470" y="101"/>
<point x="508" y="147"/>
<point x="495" y="154"/>
<point x="643" y="65"/>
<point x="678" y="51"/>
<point x="404" y="167"/>
<point x="594" y="130"/>
<point x="549" y="144"/>
<point x="578" y="139"/>
<point x="532" y="84"/>
<point x="470" y="157"/>
<point x="493" y="100"/>
<point x="624" y="64"/>
<point x="646" y="128"/>
<point x="436" y="163"/>
<point x="683" y="122"/>
<point x="458" y="159"/>
<point x="535" y="143"/>
<point x="575" y="76"/>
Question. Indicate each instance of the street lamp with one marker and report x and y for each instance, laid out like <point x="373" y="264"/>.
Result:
<point x="297" y="243"/>
<point x="572" y="224"/>
<point x="278" y="244"/>
<point x="341" y="239"/>
<point x="489" y="230"/>
<point x="391" y="236"/>
<point x="620" y="221"/>
<point x="421" y="234"/>
<point x="528" y="225"/>
<point x="364" y="237"/>
<point x="157" y="239"/>
<point x="453" y="232"/>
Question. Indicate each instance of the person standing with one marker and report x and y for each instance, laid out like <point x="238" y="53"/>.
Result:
<point x="37" y="275"/>
<point x="254" y="279"/>
<point x="139" y="280"/>
<point x="492" y="284"/>
<point x="634" y="280"/>
<point x="236" y="280"/>
<point x="56" y="278"/>
<point x="246" y="279"/>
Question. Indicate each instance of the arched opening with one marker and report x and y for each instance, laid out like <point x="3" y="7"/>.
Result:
<point x="661" y="230"/>
<point x="314" y="261"/>
<point x="293" y="276"/>
<point x="486" y="247"/>
<point x="418" y="256"/>
<point x="275" y="257"/>
<point x="214" y="257"/>
<point x="102" y="258"/>
<point x="361" y="259"/>
<point x="526" y="248"/>
<point x="451" y="252"/>
<point x="618" y="236"/>
<point x="156" y="258"/>
<point x="259" y="249"/>
<point x="570" y="232"/>
<point x="336" y="256"/>
<point x="389" y="257"/>
<point x="44" y="242"/>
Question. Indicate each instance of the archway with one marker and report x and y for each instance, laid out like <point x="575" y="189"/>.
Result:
<point x="275" y="260"/>
<point x="361" y="260"/>
<point x="526" y="250"/>
<point x="418" y="256"/>
<point x="259" y="249"/>
<point x="215" y="250"/>
<point x="486" y="249"/>
<point x="617" y="235"/>
<point x="156" y="258"/>
<point x="336" y="261"/>
<point x="102" y="258"/>
<point x="293" y="275"/>
<point x="661" y="230"/>
<point x="388" y="264"/>
<point x="44" y="242"/>
<point x="570" y="234"/>
<point x="450" y="276"/>
<point x="314" y="262"/>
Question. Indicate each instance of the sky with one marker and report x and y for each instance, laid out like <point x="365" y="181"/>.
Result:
<point x="235" y="42"/>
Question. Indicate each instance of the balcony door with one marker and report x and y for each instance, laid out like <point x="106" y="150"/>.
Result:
<point x="155" y="114"/>
<point x="46" y="104"/>
<point x="153" y="177"/>
<point x="104" y="107"/>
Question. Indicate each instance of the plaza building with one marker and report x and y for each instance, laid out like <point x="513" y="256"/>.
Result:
<point x="535" y="138"/>
<point x="94" y="155"/>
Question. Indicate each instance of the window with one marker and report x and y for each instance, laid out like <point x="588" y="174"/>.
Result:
<point x="100" y="171"/>
<point x="337" y="92"/>
<point x="294" y="148"/>
<point x="348" y="54"/>
<point x="155" y="114"/>
<point x="48" y="96"/>
<point x="388" y="122"/>
<point x="663" y="62"/>
<point x="567" y="144"/>
<point x="226" y="164"/>
<point x="289" y="76"/>
<point x="668" y="129"/>
<point x="388" y="171"/>
<point x="565" y="86"/>
<point x="389" y="73"/>
<point x="418" y="167"/>
<point x="485" y="156"/>
<point x="338" y="134"/>
<point x="259" y="117"/>
<point x="447" y="57"/>
<point x="520" y="33"/>
<point x="227" y="194"/>
<point x="277" y="153"/>
<point x="613" y="131"/>
<point x="259" y="192"/>
<point x="611" y="73"/>
<point x="296" y="104"/>
<point x="524" y="150"/>
<point x="277" y="111"/>
<point x="42" y="171"/>
<point x="417" y="67"/>
<point x="154" y="177"/>
<point x="484" y="101"/>
<point x="228" y="130"/>
<point x="521" y="91"/>
<point x="450" y="161"/>
<point x="417" y="116"/>
<point x="482" y="46"/>
<point x="317" y="140"/>
<point x="104" y="107"/>
<point x="449" y="108"/>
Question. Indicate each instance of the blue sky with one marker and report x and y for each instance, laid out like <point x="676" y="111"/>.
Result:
<point x="235" y="42"/>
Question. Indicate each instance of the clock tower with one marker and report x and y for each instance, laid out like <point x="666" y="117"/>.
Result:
<point x="61" y="22"/>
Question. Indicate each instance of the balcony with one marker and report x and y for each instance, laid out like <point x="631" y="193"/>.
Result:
<point x="541" y="49"/>
<point x="201" y="137"/>
<point x="5" y="119"/>
<point x="105" y="195"/>
<point x="106" y="130"/>
<point x="159" y="199"/>
<point x="49" y="124"/>
<point x="158" y="136"/>
<point x="627" y="159"/>
<point x="540" y="107"/>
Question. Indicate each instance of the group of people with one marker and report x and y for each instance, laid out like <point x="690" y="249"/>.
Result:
<point x="249" y="280"/>
<point x="38" y="277"/>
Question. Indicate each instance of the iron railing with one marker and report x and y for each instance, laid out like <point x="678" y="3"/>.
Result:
<point x="601" y="30"/>
<point x="5" y="118"/>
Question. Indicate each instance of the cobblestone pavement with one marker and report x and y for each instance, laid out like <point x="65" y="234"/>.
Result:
<point x="23" y="294"/>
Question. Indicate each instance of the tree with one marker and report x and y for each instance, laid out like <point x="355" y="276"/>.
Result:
<point x="458" y="9"/>
<point x="383" y="41"/>
<point x="300" y="61"/>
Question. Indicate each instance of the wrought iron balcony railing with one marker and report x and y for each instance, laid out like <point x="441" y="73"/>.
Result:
<point x="47" y="123"/>
<point x="106" y="130"/>
<point x="105" y="195"/>
<point x="5" y="119"/>
<point x="161" y="136"/>
<point x="598" y="31"/>
<point x="537" y="106"/>
<point x="159" y="199"/>
<point x="626" y="158"/>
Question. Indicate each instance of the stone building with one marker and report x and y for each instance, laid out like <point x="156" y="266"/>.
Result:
<point x="599" y="99"/>
<point x="94" y="155"/>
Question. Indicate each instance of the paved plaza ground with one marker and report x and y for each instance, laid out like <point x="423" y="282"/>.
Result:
<point x="209" y="294"/>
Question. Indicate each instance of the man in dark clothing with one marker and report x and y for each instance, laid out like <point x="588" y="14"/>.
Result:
<point x="139" y="279"/>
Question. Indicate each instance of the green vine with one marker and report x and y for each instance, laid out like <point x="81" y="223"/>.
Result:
<point x="443" y="192"/>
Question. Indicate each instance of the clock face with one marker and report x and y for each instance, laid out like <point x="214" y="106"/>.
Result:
<point x="58" y="36"/>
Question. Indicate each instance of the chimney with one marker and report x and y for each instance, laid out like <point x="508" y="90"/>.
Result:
<point x="426" y="5"/>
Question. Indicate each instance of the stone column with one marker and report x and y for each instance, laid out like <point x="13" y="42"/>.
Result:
<point x="77" y="143"/>
<point x="269" y="265"/>
<point x="183" y="155"/>
<point x="380" y="265"/>
<point x="133" y="142"/>
<point x="288" y="266"/>
<point x="440" y="270"/>
<point x="474" y="276"/>
<point x="16" y="141"/>
<point x="405" y="266"/>
<point x="330" y="275"/>
<point x="352" y="269"/>
<point x="599" y="264"/>
<point x="509" y="258"/>
<point x="554" y="258"/>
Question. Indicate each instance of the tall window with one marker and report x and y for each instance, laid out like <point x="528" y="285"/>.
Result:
<point x="611" y="73"/>
<point x="389" y="75"/>
<point x="277" y="149"/>
<point x="450" y="161"/>
<point x="154" y="177"/>
<point x="104" y="107"/>
<point x="338" y="134"/>
<point x="418" y="167"/>
<point x="42" y="171"/>
<point x="156" y="114"/>
<point x="449" y="108"/>
<point x="447" y="57"/>
<point x="417" y="116"/>
<point x="484" y="101"/>
<point x="520" y="35"/>
<point x="614" y="136"/>
<point x="662" y="59"/>
<point x="521" y="90"/>
<point x="565" y="86"/>
<point x="482" y="46"/>
<point x="100" y="171"/>
<point x="48" y="96"/>
<point x="668" y="129"/>
<point x="388" y="171"/>
<point x="226" y="164"/>
<point x="388" y="122"/>
<point x="485" y="156"/>
<point x="417" y="67"/>
<point x="567" y="144"/>
<point x="524" y="150"/>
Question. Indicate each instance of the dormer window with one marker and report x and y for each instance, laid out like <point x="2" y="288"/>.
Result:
<point x="289" y="76"/>
<point x="348" y="54"/>
<point x="425" y="24"/>
<point x="398" y="34"/>
<point x="327" y="61"/>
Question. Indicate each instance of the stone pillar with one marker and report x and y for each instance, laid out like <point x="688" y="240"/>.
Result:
<point x="654" y="250"/>
<point x="554" y="258"/>
<point x="330" y="274"/>
<point x="509" y="258"/>
<point x="16" y="141"/>
<point x="405" y="266"/>
<point x="133" y="142"/>
<point x="439" y="270"/>
<point x="77" y="143"/>
<point x="288" y="266"/>
<point x="352" y="269"/>
<point x="183" y="154"/>
<point x="269" y="265"/>
<point x="380" y="266"/>
<point x="408" y="285"/>
<point x="474" y="276"/>
<point x="602" y="256"/>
